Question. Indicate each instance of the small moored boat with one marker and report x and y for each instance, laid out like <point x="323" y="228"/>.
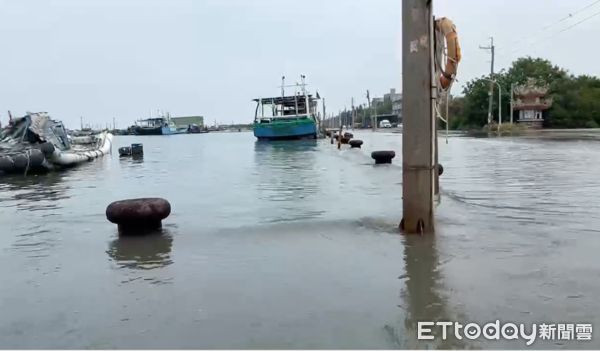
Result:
<point x="37" y="143"/>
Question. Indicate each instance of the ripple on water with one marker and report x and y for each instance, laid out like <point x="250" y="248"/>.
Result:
<point x="35" y="242"/>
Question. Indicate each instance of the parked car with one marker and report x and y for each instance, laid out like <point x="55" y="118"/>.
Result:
<point x="385" y="124"/>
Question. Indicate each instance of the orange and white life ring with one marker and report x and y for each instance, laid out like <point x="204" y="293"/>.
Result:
<point x="453" y="56"/>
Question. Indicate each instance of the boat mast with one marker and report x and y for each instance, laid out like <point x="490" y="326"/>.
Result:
<point x="262" y="108"/>
<point x="306" y="102"/>
<point x="296" y="99"/>
<point x="282" y="96"/>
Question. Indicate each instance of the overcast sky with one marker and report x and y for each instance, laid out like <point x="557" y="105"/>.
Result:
<point x="102" y="58"/>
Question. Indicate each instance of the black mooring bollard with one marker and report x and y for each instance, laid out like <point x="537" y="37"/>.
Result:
<point x="440" y="169"/>
<point x="383" y="156"/>
<point x="125" y="151"/>
<point x="138" y="216"/>
<point x="348" y="135"/>
<point x="137" y="149"/>
<point x="355" y="143"/>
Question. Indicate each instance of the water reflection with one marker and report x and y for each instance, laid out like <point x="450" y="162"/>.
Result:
<point x="285" y="145"/>
<point x="423" y="292"/>
<point x="133" y="159"/>
<point x="142" y="251"/>
<point x="286" y="173"/>
<point x="33" y="192"/>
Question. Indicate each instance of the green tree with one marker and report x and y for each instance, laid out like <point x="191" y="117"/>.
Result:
<point x="576" y="100"/>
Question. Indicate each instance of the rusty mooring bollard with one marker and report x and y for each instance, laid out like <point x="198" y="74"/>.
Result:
<point x="138" y="215"/>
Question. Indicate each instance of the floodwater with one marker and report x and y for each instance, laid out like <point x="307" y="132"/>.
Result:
<point x="295" y="245"/>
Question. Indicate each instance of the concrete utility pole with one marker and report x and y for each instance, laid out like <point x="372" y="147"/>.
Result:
<point x="499" y="101"/>
<point x="419" y="133"/>
<point x="491" y="93"/>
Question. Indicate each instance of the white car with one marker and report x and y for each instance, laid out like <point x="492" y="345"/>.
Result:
<point x="385" y="124"/>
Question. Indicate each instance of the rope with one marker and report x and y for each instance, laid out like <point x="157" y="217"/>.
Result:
<point x="441" y="53"/>
<point x="28" y="153"/>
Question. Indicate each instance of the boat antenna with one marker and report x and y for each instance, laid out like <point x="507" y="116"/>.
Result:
<point x="282" y="86"/>
<point x="302" y="76"/>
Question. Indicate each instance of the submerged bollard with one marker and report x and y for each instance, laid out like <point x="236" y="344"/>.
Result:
<point x="355" y="143"/>
<point x="138" y="215"/>
<point x="125" y="151"/>
<point x="383" y="156"/>
<point x="137" y="149"/>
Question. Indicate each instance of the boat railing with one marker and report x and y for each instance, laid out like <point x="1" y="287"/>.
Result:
<point x="288" y="117"/>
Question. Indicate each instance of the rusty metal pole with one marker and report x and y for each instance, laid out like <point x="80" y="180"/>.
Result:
<point x="418" y="136"/>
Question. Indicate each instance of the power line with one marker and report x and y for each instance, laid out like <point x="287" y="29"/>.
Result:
<point x="583" y="20"/>
<point x="519" y="42"/>
<point x="560" y="31"/>
<point x="572" y="14"/>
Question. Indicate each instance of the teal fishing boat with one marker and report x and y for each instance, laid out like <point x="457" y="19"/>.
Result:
<point x="287" y="117"/>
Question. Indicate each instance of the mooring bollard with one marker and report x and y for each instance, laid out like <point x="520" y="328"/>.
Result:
<point x="138" y="215"/>
<point x="348" y="135"/>
<point x="383" y="156"/>
<point x="355" y="143"/>
<point x="137" y="149"/>
<point x="440" y="169"/>
<point x="125" y="151"/>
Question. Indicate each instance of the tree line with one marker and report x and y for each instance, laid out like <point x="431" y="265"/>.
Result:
<point x="576" y="99"/>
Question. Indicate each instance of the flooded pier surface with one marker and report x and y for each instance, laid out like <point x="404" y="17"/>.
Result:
<point x="295" y="245"/>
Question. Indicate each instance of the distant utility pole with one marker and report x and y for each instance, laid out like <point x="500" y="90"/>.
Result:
<point x="324" y="115"/>
<point x="370" y="111"/>
<point x="353" y="112"/>
<point x="491" y="93"/>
